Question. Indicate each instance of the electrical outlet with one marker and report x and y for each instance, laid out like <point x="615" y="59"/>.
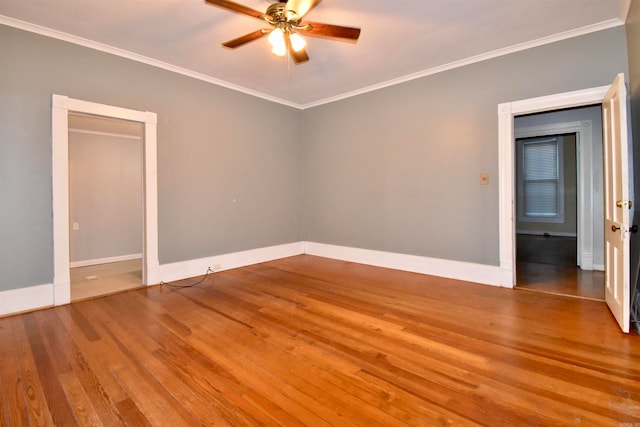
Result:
<point x="217" y="267"/>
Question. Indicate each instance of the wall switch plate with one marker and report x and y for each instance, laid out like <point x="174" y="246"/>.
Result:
<point x="75" y="226"/>
<point x="484" y="178"/>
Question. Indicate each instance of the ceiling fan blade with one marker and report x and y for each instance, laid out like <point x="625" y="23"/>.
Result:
<point x="301" y="7"/>
<point x="300" y="56"/>
<point x="332" y="31"/>
<point x="232" y="44"/>
<point x="235" y="7"/>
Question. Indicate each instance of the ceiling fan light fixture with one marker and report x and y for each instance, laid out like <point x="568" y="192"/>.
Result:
<point x="297" y="42"/>
<point x="286" y="27"/>
<point x="278" y="45"/>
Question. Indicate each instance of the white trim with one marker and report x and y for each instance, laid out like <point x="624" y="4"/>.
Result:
<point x="61" y="106"/>
<point x="506" y="159"/>
<point x="554" y="129"/>
<point x="459" y="270"/>
<point x="605" y="25"/>
<point x="584" y="156"/>
<point x="16" y="301"/>
<point x="59" y="35"/>
<point x="624" y="10"/>
<point x="42" y="296"/>
<point x="197" y="267"/>
<point x="98" y="261"/>
<point x="100" y="133"/>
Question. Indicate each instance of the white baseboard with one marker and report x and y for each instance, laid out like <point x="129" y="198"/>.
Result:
<point x="41" y="296"/>
<point x="479" y="273"/>
<point x="26" y="299"/>
<point x="586" y="260"/>
<point x="198" y="267"/>
<point x="471" y="272"/>
<point x="98" y="261"/>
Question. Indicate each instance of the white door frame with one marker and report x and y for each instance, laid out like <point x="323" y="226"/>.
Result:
<point x="584" y="160"/>
<point x="506" y="162"/>
<point x="61" y="106"/>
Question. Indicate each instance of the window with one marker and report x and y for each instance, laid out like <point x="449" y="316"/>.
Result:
<point x="540" y="180"/>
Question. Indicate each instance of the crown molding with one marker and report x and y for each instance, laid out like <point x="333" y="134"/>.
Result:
<point x="605" y="25"/>
<point x="59" y="35"/>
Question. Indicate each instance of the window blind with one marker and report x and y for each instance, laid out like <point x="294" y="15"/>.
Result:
<point x="540" y="179"/>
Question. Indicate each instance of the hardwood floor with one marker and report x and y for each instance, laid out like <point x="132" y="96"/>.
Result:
<point x="104" y="279"/>
<point x="548" y="264"/>
<point x="560" y="279"/>
<point x="318" y="342"/>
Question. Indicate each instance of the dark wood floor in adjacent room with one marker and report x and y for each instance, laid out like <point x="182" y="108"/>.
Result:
<point x="560" y="280"/>
<point x="312" y="341"/>
<point x="549" y="264"/>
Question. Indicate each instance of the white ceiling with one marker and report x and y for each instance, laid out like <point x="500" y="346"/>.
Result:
<point x="400" y="39"/>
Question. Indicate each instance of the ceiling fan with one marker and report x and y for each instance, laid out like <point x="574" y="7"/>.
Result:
<point x="286" y="27"/>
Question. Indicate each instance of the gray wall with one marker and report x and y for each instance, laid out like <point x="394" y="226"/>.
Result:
<point x="228" y="178"/>
<point x="105" y="196"/>
<point x="398" y="169"/>
<point x="105" y="187"/>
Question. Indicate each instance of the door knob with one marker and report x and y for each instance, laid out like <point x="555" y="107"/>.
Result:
<point x="632" y="229"/>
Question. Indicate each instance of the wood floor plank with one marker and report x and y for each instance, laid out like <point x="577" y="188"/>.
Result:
<point x="84" y="387"/>
<point x="278" y="362"/>
<point x="13" y="406"/>
<point x="153" y="398"/>
<point x="131" y="414"/>
<point x="167" y="365"/>
<point x="102" y="355"/>
<point x="319" y="342"/>
<point x="284" y="394"/>
<point x="81" y="404"/>
<point x="281" y="356"/>
<point x="48" y="370"/>
<point x="37" y="408"/>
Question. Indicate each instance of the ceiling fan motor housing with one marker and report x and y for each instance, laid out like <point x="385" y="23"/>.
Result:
<point x="277" y="14"/>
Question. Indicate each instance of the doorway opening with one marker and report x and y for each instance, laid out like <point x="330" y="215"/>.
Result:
<point x="616" y="185"/>
<point x="105" y="205"/>
<point x="506" y="158"/>
<point x="62" y="107"/>
<point x="559" y="202"/>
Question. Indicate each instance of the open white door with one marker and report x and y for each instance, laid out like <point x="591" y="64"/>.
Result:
<point x="616" y="203"/>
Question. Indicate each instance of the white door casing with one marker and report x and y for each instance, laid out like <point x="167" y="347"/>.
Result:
<point x="616" y="201"/>
<point x="60" y="108"/>
<point x="506" y="159"/>
<point x="506" y="162"/>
